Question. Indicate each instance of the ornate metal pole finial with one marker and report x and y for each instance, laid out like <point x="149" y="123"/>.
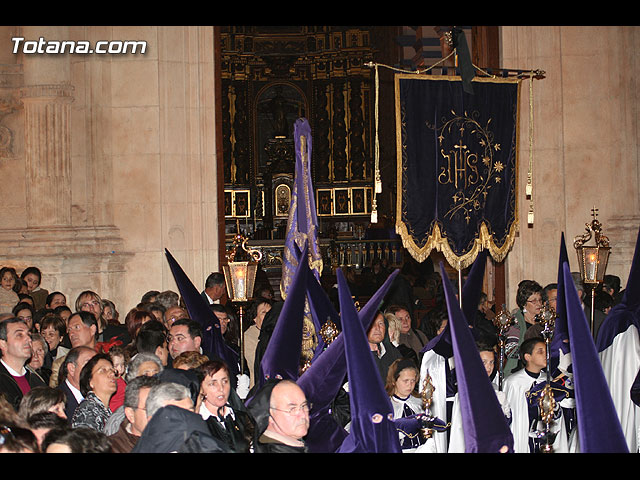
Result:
<point x="427" y="399"/>
<point x="503" y="320"/>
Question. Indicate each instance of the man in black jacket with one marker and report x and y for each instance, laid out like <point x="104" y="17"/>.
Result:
<point x="383" y="351"/>
<point x="281" y="413"/>
<point x="15" y="345"/>
<point x="69" y="377"/>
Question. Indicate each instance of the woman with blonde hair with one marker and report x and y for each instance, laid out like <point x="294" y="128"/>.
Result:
<point x="90" y="301"/>
<point x="401" y="387"/>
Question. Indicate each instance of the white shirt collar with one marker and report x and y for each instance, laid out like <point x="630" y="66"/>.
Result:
<point x="206" y="413"/>
<point x="76" y="393"/>
<point x="12" y="371"/>
<point x="211" y="300"/>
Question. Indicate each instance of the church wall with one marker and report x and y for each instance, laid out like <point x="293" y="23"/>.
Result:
<point x="142" y="155"/>
<point x="142" y="163"/>
<point x="585" y="144"/>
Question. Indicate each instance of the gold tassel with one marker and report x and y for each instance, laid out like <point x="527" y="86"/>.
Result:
<point x="529" y="187"/>
<point x="377" y="180"/>
<point x="374" y="214"/>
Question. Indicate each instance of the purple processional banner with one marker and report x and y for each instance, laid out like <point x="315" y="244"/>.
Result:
<point x="456" y="166"/>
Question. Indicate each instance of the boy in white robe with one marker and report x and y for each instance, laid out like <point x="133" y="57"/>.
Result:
<point x="517" y="386"/>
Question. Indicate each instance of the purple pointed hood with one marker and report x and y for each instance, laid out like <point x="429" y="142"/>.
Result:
<point x="283" y="353"/>
<point x="372" y="429"/>
<point x="598" y="427"/>
<point x="212" y="340"/>
<point x="485" y="427"/>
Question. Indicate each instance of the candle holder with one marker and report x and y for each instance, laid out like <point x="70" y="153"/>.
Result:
<point x="240" y="276"/>
<point x="592" y="259"/>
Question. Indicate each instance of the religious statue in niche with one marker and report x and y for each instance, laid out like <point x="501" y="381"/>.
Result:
<point x="278" y="106"/>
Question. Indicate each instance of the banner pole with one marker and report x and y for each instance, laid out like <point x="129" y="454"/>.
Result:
<point x="460" y="287"/>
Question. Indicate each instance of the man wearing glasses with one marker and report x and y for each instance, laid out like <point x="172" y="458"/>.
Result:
<point x="82" y="329"/>
<point x="284" y="409"/>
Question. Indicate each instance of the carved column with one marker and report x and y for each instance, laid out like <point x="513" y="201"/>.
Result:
<point x="47" y="111"/>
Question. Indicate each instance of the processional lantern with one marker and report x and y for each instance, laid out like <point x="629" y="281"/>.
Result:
<point x="240" y="270"/>
<point x="240" y="277"/>
<point x="592" y="259"/>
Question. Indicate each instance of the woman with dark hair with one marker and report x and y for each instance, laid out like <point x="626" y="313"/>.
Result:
<point x="25" y="312"/>
<point x="54" y="300"/>
<point x="220" y="406"/>
<point x="53" y="328"/>
<point x="529" y="301"/>
<point x="32" y="277"/>
<point x="134" y="320"/>
<point x="97" y="385"/>
<point x="8" y="296"/>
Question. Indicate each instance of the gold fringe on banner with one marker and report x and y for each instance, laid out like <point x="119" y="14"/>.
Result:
<point x="441" y="244"/>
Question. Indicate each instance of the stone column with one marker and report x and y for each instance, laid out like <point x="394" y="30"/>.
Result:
<point x="47" y="154"/>
<point x="73" y="255"/>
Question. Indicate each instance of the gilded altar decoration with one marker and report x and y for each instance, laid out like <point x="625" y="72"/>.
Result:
<point x="457" y="166"/>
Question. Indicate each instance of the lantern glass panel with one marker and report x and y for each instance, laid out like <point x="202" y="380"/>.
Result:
<point x="593" y="263"/>
<point x="240" y="279"/>
<point x="603" y="259"/>
<point x="590" y="258"/>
